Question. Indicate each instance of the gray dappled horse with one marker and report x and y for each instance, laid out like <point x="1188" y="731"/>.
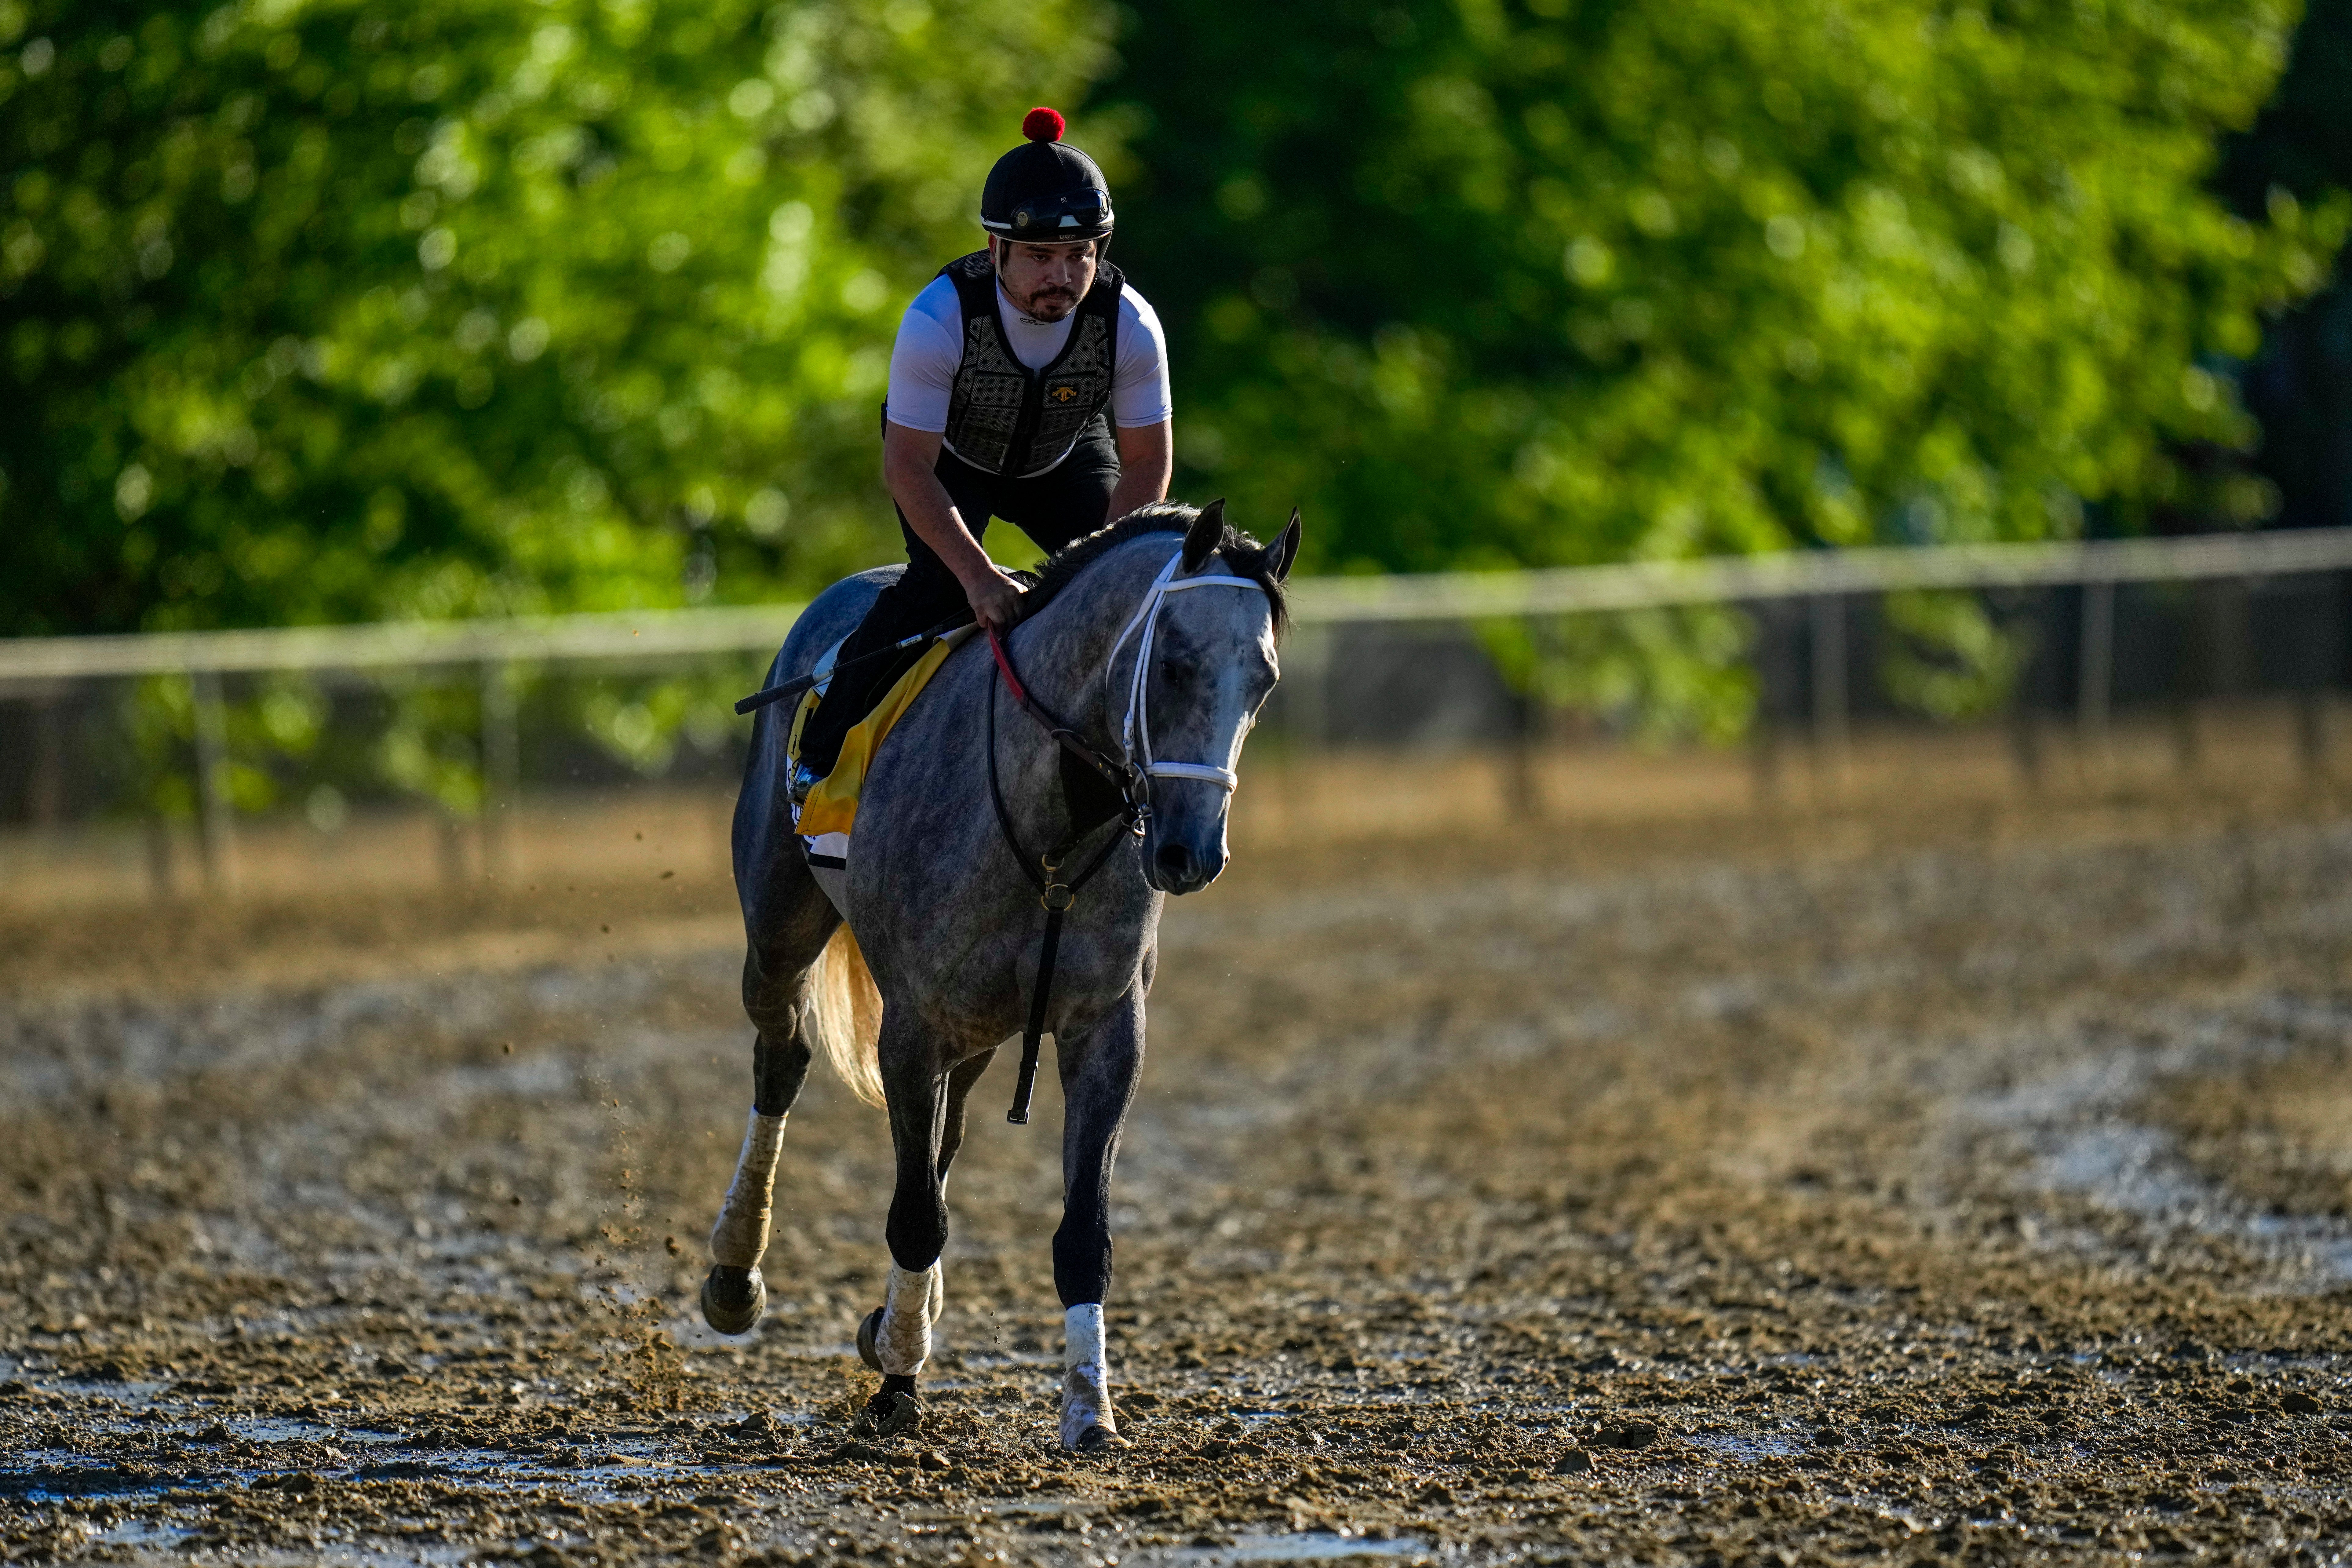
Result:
<point x="945" y="953"/>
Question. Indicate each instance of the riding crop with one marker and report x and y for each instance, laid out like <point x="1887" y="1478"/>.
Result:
<point x="793" y="687"/>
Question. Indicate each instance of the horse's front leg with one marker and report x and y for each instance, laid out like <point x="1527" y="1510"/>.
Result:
<point x="1098" y="1077"/>
<point x="896" y="1338"/>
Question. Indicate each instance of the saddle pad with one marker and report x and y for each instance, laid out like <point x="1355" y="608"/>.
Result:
<point x="825" y="819"/>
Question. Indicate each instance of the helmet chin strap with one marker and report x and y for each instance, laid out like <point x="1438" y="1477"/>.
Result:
<point x="1135" y="729"/>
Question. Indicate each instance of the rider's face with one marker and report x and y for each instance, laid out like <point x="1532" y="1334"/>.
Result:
<point x="1046" y="280"/>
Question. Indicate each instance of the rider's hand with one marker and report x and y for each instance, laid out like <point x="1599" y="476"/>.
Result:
<point x="995" y="600"/>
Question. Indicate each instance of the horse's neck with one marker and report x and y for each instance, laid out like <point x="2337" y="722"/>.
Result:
<point x="1064" y="648"/>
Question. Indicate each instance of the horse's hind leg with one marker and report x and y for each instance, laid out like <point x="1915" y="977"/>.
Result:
<point x="1099" y="1076"/>
<point x="777" y="970"/>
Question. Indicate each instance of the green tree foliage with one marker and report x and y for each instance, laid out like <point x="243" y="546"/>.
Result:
<point x="320" y="309"/>
<point x="1497" y="281"/>
<point x="334" y="309"/>
<point x="2300" y="385"/>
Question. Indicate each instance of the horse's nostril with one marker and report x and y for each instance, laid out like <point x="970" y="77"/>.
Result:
<point x="1175" y="862"/>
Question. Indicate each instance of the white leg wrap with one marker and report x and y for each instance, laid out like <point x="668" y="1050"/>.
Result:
<point x="904" y="1337"/>
<point x="742" y="1234"/>
<point x="1085" y="1374"/>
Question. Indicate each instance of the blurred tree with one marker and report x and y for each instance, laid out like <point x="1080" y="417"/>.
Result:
<point x="1496" y="281"/>
<point x="2300" y="384"/>
<point x="323" y="309"/>
<point x="332" y="309"/>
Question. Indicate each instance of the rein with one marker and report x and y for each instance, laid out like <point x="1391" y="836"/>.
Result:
<point x="1054" y="894"/>
<point x="1121" y="776"/>
<point x="1132" y="782"/>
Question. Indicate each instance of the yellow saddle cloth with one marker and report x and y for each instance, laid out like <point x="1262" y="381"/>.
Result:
<point x="832" y="805"/>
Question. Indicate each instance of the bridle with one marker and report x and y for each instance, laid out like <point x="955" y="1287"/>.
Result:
<point x="1124" y="773"/>
<point x="1135" y="731"/>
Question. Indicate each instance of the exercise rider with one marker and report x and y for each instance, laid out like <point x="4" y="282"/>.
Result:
<point x="1030" y="384"/>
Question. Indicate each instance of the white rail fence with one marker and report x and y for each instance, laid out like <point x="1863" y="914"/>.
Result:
<point x="31" y="666"/>
<point x="657" y="635"/>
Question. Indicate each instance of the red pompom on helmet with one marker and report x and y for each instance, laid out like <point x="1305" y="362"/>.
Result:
<point x="1046" y="192"/>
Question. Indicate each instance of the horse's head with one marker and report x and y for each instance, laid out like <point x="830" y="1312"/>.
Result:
<point x="1209" y="661"/>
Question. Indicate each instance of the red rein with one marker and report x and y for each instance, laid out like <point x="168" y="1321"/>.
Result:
<point x="1004" y="668"/>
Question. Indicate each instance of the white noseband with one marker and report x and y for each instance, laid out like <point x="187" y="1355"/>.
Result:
<point x="1135" y="731"/>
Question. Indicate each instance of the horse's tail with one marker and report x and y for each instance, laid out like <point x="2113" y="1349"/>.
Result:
<point x="850" y="1014"/>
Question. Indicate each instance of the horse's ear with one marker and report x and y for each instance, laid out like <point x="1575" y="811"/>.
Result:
<point x="1208" y="531"/>
<point x="1282" y="554"/>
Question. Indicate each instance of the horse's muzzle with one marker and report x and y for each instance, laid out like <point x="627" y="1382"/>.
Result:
<point x="1178" y="869"/>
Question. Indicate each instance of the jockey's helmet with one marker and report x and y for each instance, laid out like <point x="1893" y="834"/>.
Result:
<point x="1046" y="192"/>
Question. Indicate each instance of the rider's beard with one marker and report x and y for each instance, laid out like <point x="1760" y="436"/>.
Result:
<point x="1050" y="304"/>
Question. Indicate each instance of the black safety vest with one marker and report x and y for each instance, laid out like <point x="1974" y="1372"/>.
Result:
<point x="1007" y="418"/>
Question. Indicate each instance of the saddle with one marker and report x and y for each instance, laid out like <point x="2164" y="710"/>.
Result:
<point x="826" y="820"/>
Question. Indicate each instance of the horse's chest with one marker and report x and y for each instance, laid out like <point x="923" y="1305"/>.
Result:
<point x="980" y="980"/>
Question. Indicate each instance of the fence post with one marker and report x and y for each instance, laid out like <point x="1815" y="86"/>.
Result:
<point x="1549" y="720"/>
<point x="216" y="816"/>
<point x="1764" y="734"/>
<point x="2314" y="678"/>
<point x="501" y="768"/>
<point x="1523" y="788"/>
<point x="1828" y="692"/>
<point x="2025" y="734"/>
<point x="1306" y="670"/>
<point x="2094" y="674"/>
<point x="45" y="791"/>
<point x="158" y="838"/>
<point x="2190" y="676"/>
<point x="2310" y="728"/>
<point x="2025" y="611"/>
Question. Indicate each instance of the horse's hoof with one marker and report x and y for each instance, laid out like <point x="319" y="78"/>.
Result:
<point x="1098" y="1440"/>
<point x="887" y="1415"/>
<point x="733" y="1299"/>
<point x="869" y="1350"/>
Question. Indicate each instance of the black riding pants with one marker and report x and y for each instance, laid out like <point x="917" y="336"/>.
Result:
<point x="1065" y="503"/>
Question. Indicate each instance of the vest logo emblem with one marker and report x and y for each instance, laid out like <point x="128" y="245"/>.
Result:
<point x="1061" y="393"/>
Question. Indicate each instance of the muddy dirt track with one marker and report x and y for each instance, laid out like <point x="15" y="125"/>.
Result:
<point x="1711" y="1192"/>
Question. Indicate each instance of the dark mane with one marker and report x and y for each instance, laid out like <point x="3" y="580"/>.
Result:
<point x="1242" y="556"/>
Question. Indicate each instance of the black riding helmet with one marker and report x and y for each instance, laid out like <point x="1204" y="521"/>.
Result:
<point x="1046" y="192"/>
